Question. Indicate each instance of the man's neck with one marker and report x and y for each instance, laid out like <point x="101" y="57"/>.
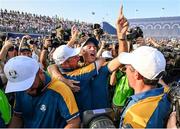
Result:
<point x="141" y="87"/>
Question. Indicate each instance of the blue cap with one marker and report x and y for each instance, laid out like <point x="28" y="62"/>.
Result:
<point x="92" y="40"/>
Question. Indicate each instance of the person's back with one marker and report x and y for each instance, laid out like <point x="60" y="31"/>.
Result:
<point x="149" y="106"/>
<point x="147" y="110"/>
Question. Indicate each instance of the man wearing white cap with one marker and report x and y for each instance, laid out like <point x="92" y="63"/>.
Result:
<point x="67" y="59"/>
<point x="95" y="85"/>
<point x="149" y="107"/>
<point x="41" y="102"/>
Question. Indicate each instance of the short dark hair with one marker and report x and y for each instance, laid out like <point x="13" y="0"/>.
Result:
<point x="92" y="40"/>
<point x="150" y="82"/>
<point x="155" y="81"/>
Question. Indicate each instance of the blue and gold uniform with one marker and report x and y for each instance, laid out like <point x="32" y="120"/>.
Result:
<point x="99" y="88"/>
<point x="84" y="75"/>
<point x="53" y="108"/>
<point x="146" y="110"/>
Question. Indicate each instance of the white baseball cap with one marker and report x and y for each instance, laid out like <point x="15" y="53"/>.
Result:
<point x="148" y="61"/>
<point x="20" y="72"/>
<point x="107" y="55"/>
<point x="63" y="52"/>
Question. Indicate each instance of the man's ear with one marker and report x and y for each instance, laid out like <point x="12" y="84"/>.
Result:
<point x="138" y="76"/>
<point x="41" y="74"/>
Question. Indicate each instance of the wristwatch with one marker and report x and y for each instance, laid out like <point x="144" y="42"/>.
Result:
<point x="121" y="37"/>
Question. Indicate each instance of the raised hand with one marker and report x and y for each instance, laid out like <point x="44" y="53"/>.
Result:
<point x="74" y="32"/>
<point x="122" y="23"/>
<point x="73" y="85"/>
<point x="8" y="43"/>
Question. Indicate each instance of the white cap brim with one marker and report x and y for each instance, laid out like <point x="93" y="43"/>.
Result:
<point x="19" y="86"/>
<point x="75" y="52"/>
<point x="125" y="58"/>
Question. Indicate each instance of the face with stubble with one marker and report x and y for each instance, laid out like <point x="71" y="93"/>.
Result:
<point x="38" y="84"/>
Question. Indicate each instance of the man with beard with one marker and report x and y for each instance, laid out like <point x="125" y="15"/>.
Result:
<point x="41" y="102"/>
<point x="68" y="61"/>
<point x="99" y="82"/>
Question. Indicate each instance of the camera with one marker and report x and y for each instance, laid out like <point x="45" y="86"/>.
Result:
<point x="134" y="33"/>
<point x="30" y="41"/>
<point x="98" y="118"/>
<point x="97" y="29"/>
<point x="55" y="42"/>
<point x="174" y="97"/>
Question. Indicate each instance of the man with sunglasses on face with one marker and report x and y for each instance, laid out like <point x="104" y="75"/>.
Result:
<point x="41" y="102"/>
<point x="149" y="107"/>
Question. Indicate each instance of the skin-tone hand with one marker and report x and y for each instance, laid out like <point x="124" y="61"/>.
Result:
<point x="122" y="23"/>
<point x="8" y="43"/>
<point x="153" y="42"/>
<point x="103" y="44"/>
<point x="74" y="32"/>
<point x="26" y="37"/>
<point x="72" y="84"/>
<point x="140" y="41"/>
<point x="172" y="121"/>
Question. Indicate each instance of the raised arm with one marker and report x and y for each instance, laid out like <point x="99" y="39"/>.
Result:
<point x="121" y="26"/>
<point x="99" y="53"/>
<point x="74" y="33"/>
<point x="4" y="50"/>
<point x="54" y="72"/>
<point x="44" y="53"/>
<point x="23" y="40"/>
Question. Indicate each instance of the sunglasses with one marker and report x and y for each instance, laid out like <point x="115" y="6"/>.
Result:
<point x="11" y="49"/>
<point x="14" y="47"/>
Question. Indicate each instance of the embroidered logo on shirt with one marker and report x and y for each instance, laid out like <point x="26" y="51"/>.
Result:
<point x="43" y="108"/>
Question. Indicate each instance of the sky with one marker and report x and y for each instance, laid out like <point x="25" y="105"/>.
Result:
<point x="104" y="10"/>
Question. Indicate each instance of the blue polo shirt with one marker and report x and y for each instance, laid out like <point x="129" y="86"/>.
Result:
<point x="53" y="108"/>
<point x="149" y="109"/>
<point x="84" y="75"/>
<point x="99" y="88"/>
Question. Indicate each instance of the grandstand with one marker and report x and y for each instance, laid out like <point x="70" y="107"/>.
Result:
<point x="163" y="27"/>
<point x="22" y="22"/>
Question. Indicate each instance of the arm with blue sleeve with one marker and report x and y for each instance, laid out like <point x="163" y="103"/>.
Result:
<point x="83" y="73"/>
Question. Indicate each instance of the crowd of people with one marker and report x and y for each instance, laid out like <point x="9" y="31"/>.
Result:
<point x="22" y="22"/>
<point x="49" y="82"/>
